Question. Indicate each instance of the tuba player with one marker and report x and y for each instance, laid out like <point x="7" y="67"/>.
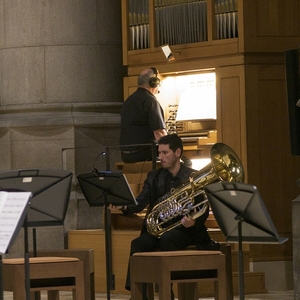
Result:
<point x="157" y="184"/>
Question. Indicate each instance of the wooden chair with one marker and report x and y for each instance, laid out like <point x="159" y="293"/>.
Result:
<point x="167" y="267"/>
<point x="189" y="290"/>
<point x="85" y="255"/>
<point x="46" y="273"/>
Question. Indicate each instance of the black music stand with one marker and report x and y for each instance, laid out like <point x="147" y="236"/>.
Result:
<point x="50" y="191"/>
<point x="101" y="188"/>
<point x="242" y="217"/>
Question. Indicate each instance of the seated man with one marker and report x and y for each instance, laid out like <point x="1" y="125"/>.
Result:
<point x="157" y="184"/>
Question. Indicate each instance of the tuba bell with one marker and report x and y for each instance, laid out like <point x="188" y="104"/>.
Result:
<point x="224" y="165"/>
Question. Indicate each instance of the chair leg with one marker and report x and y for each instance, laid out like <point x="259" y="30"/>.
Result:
<point x="53" y="295"/>
<point x="150" y="291"/>
<point x="19" y="293"/>
<point x="35" y="295"/>
<point x="74" y="295"/>
<point x="92" y="280"/>
<point x="216" y="290"/>
<point x="226" y="249"/>
<point x="187" y="291"/>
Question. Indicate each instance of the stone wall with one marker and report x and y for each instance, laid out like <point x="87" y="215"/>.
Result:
<point x="61" y="92"/>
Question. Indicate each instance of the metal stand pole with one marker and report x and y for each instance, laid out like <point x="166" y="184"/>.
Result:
<point x="110" y="278"/>
<point x="26" y="261"/>
<point x="1" y="279"/>
<point x="241" y="262"/>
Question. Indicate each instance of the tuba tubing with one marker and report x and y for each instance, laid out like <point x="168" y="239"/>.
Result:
<point x="179" y="202"/>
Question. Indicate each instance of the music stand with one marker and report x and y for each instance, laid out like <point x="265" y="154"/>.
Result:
<point x="50" y="191"/>
<point x="101" y="188"/>
<point x="242" y="217"/>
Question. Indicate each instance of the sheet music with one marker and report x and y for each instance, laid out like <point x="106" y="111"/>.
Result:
<point x="12" y="206"/>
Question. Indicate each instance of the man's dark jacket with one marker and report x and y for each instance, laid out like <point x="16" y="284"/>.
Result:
<point x="156" y="185"/>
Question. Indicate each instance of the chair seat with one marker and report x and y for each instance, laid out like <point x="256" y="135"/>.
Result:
<point x="39" y="260"/>
<point x="188" y="290"/>
<point x="45" y="274"/>
<point x="158" y="267"/>
<point x="84" y="254"/>
<point x="177" y="253"/>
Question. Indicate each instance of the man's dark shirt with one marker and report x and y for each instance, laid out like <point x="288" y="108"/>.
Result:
<point x="141" y="114"/>
<point x="157" y="184"/>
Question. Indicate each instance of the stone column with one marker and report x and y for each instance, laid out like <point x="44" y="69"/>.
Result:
<point x="60" y="89"/>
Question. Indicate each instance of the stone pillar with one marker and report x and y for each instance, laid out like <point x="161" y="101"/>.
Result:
<point x="58" y="52"/>
<point x="296" y="245"/>
<point x="61" y="90"/>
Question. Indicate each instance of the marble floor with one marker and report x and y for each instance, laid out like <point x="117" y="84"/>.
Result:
<point x="287" y="295"/>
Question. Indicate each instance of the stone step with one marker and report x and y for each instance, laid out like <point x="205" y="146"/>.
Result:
<point x="235" y="261"/>
<point x="217" y="235"/>
<point x="254" y="283"/>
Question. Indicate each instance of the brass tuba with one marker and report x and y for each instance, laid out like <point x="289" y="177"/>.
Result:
<point x="224" y="166"/>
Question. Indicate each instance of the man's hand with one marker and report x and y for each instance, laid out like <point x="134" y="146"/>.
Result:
<point x="113" y="207"/>
<point x="159" y="133"/>
<point x="187" y="222"/>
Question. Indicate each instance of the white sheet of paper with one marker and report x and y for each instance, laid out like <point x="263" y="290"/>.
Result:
<point x="12" y="206"/>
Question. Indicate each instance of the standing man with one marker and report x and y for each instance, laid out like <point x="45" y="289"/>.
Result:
<point x="157" y="184"/>
<point x="142" y="119"/>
